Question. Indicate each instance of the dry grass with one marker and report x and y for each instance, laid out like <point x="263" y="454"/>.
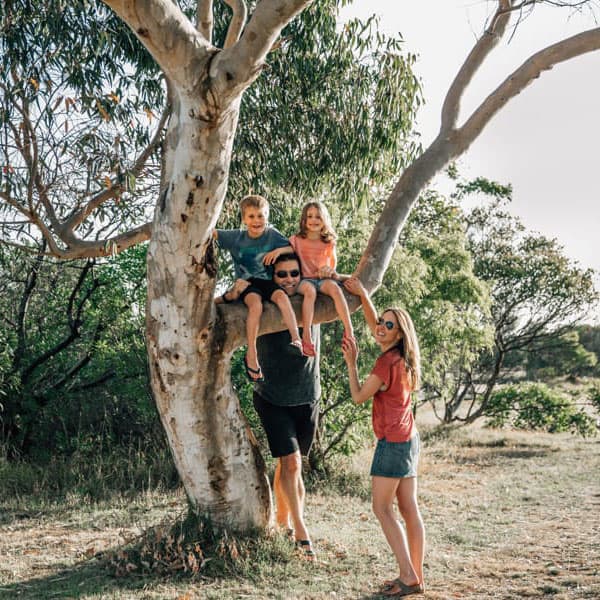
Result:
<point x="508" y="515"/>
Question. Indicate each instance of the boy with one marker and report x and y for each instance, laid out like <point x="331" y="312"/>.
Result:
<point x="253" y="251"/>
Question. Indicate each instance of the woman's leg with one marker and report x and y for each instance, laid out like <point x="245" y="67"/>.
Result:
<point x="406" y="495"/>
<point x="384" y="492"/>
<point x="332" y="289"/>
<point x="254" y="303"/>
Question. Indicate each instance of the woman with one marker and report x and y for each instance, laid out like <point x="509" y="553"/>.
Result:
<point x="394" y="469"/>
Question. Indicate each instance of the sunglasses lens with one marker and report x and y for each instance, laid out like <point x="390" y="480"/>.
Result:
<point x="292" y="273"/>
<point x="388" y="324"/>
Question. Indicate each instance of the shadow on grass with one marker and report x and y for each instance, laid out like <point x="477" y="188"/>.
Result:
<point x="83" y="579"/>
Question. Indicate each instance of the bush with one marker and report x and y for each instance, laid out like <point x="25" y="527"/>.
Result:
<point x="535" y="406"/>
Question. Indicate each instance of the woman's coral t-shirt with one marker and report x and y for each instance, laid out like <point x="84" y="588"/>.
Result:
<point x="392" y="413"/>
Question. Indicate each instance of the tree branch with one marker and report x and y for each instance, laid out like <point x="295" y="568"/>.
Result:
<point x="516" y="82"/>
<point x="168" y="35"/>
<point x="84" y="212"/>
<point x="204" y="19"/>
<point x="242" y="62"/>
<point x="238" y="20"/>
<point x="481" y="50"/>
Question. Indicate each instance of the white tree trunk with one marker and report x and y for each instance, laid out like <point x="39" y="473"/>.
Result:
<point x="214" y="451"/>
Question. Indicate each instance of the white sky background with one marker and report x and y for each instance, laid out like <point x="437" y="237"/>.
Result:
<point x="545" y="142"/>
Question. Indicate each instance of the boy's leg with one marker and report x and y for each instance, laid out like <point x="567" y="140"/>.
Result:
<point x="309" y="296"/>
<point x="281" y="299"/>
<point x="254" y="303"/>
<point x="332" y="289"/>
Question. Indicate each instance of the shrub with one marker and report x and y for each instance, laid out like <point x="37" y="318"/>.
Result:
<point x="535" y="406"/>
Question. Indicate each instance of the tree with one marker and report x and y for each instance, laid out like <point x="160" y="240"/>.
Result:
<point x="189" y="341"/>
<point x="538" y="296"/>
<point x="73" y="341"/>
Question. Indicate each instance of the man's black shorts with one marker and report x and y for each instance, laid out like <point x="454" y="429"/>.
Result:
<point x="265" y="288"/>
<point x="288" y="428"/>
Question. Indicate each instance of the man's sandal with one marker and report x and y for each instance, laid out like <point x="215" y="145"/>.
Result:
<point x="305" y="547"/>
<point x="398" y="588"/>
<point x="250" y="372"/>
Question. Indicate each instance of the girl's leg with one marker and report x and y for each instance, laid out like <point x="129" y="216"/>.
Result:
<point x="406" y="495"/>
<point x="254" y="303"/>
<point x="282" y="300"/>
<point x="309" y="295"/>
<point x="384" y="492"/>
<point x="332" y="289"/>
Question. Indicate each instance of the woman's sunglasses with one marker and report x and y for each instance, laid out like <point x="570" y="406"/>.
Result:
<point x="292" y="273"/>
<point x="388" y="324"/>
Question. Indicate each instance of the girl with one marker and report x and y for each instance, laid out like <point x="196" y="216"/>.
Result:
<point x="394" y="469"/>
<point x="315" y="246"/>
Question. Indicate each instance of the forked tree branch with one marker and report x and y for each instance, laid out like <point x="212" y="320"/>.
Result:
<point x="97" y="200"/>
<point x="451" y="142"/>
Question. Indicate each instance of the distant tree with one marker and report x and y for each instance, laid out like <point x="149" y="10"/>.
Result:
<point x="562" y="356"/>
<point x="538" y="295"/>
<point x="589" y="336"/>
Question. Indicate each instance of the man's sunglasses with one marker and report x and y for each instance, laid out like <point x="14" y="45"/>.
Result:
<point x="388" y="324"/>
<point x="292" y="273"/>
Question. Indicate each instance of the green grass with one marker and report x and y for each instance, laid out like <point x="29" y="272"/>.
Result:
<point x="508" y="515"/>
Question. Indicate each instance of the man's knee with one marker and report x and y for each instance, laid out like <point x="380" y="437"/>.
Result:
<point x="291" y="464"/>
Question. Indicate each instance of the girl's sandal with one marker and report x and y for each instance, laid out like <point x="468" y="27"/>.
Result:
<point x="308" y="349"/>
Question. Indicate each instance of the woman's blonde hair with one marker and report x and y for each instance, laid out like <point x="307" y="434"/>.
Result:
<point x="327" y="232"/>
<point x="408" y="346"/>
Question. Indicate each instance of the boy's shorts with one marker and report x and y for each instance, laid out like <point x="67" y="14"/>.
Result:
<point x="265" y="288"/>
<point x="318" y="283"/>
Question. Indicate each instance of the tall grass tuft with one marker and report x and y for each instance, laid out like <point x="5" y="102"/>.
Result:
<point x="90" y="475"/>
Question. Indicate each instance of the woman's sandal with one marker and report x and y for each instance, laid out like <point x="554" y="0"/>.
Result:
<point x="397" y="588"/>
<point x="305" y="547"/>
<point x="250" y="371"/>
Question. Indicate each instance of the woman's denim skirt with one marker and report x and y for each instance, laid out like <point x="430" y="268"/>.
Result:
<point x="396" y="459"/>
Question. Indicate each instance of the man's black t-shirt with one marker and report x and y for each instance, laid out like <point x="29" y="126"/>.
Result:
<point x="290" y="379"/>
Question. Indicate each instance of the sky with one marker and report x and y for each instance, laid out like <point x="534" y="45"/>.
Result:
<point x="545" y="142"/>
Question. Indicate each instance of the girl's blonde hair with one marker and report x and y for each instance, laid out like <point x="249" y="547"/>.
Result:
<point x="408" y="346"/>
<point x="327" y="232"/>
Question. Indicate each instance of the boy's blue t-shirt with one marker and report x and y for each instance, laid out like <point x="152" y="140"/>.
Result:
<point x="248" y="253"/>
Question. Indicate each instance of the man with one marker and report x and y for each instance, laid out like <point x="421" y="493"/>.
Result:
<point x="287" y="404"/>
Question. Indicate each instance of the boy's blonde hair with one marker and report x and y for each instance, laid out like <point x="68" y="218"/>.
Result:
<point x="408" y="346"/>
<point x="253" y="201"/>
<point x="327" y="232"/>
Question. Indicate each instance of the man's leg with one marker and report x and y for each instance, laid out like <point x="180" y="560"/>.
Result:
<point x="291" y="488"/>
<point x="283" y="515"/>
